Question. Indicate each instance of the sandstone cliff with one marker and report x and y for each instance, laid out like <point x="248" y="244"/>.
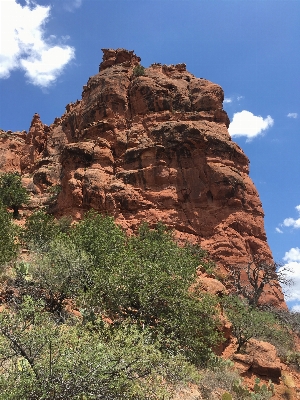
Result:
<point x="146" y="145"/>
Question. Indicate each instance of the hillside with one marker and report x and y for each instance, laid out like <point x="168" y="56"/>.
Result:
<point x="144" y="145"/>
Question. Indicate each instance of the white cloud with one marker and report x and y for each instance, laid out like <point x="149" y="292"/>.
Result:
<point x="278" y="230"/>
<point x="23" y="45"/>
<point x="292" y="255"/>
<point x="295" y="223"/>
<point x="71" y="5"/>
<point x="245" y="123"/>
<point x="291" y="222"/>
<point x="227" y="100"/>
<point x="292" y="271"/>
<point x="292" y="115"/>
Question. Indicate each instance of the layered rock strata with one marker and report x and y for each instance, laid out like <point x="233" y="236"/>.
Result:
<point x="149" y="145"/>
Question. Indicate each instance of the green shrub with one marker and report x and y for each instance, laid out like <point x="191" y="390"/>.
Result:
<point x="63" y="271"/>
<point x="138" y="70"/>
<point x="12" y="193"/>
<point x="40" y="228"/>
<point x="248" y="322"/>
<point x="144" y="279"/>
<point x="293" y="358"/>
<point x="8" y="235"/>
<point x="226" y="396"/>
<point x="57" y="361"/>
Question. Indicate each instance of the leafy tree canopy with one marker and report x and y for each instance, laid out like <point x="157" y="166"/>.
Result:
<point x="12" y="193"/>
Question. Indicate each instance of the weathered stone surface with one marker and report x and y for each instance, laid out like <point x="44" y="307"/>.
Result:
<point x="260" y="358"/>
<point x="11" y="150"/>
<point x="150" y="148"/>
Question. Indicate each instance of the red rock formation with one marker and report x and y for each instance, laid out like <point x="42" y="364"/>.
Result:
<point x="152" y="147"/>
<point x="36" y="142"/>
<point x="260" y="358"/>
<point x="11" y="150"/>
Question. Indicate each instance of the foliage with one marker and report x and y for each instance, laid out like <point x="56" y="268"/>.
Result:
<point x="262" y="392"/>
<point x="144" y="279"/>
<point x="226" y="396"/>
<point x="62" y="270"/>
<point x="54" y="190"/>
<point x="159" y="328"/>
<point x="248" y="322"/>
<point x="293" y="358"/>
<point x="40" y="228"/>
<point x="221" y="376"/>
<point x="12" y="193"/>
<point x="56" y="361"/>
<point x="138" y="70"/>
<point x="8" y="233"/>
<point x="259" y="273"/>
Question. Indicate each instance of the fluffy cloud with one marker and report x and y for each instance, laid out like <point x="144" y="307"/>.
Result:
<point x="227" y="100"/>
<point x="245" y="123"/>
<point x="292" y="255"/>
<point x="23" y="45"/>
<point x="292" y="268"/>
<point x="292" y="115"/>
<point x="291" y="222"/>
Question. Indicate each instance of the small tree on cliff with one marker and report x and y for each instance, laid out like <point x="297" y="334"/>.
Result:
<point x="12" y="193"/>
<point x="251" y="280"/>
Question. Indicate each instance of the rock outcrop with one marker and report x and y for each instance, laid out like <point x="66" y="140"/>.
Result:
<point x="149" y="145"/>
<point x="259" y="358"/>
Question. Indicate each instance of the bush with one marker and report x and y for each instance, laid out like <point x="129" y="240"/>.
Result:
<point x="40" y="228"/>
<point x="8" y="234"/>
<point x="12" y="193"/>
<point x="144" y="279"/>
<point x="63" y="271"/>
<point x="248" y="322"/>
<point x="138" y="70"/>
<point x="59" y="361"/>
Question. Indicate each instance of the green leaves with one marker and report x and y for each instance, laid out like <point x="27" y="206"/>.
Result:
<point x="8" y="234"/>
<point x="12" y="193"/>
<point x="248" y="322"/>
<point x="60" y="361"/>
<point x="39" y="230"/>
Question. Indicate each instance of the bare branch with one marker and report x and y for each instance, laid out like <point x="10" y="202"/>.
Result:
<point x="250" y="280"/>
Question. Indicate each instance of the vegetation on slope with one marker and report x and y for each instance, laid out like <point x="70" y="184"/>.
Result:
<point x="140" y="333"/>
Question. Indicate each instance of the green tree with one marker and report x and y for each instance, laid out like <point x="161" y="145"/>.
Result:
<point x="249" y="322"/>
<point x="12" y="193"/>
<point x="40" y="228"/>
<point x="144" y="279"/>
<point x="63" y="270"/>
<point x="8" y="234"/>
<point x="60" y="361"/>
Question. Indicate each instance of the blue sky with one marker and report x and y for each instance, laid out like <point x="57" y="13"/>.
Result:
<point x="49" y="48"/>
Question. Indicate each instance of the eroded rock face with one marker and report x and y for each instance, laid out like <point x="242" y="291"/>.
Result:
<point x="259" y="358"/>
<point x="152" y="147"/>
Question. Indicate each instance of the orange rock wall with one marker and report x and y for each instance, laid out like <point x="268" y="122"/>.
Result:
<point x="150" y="148"/>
